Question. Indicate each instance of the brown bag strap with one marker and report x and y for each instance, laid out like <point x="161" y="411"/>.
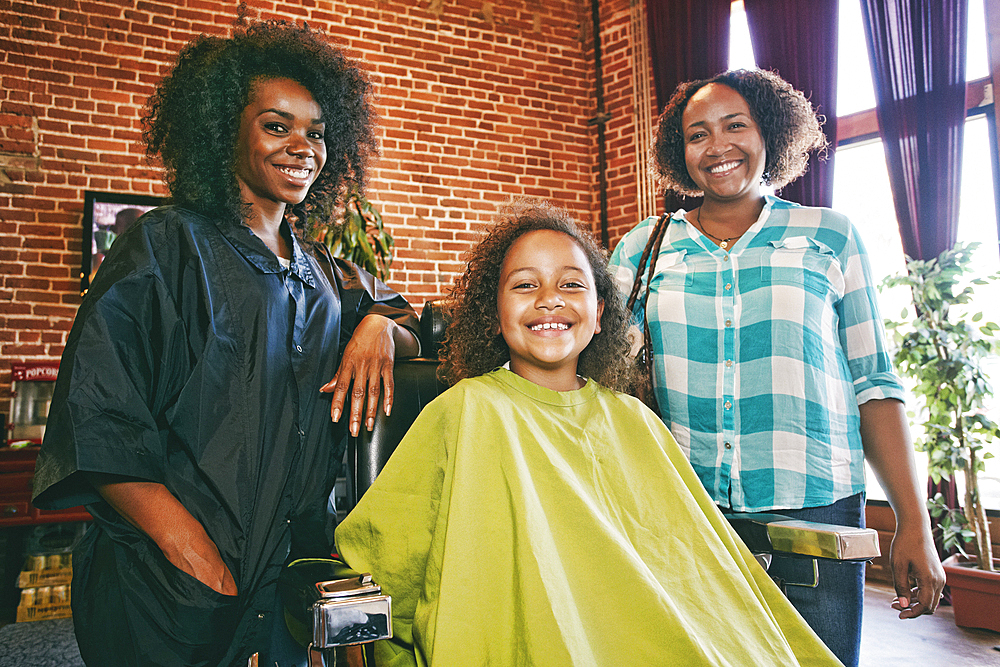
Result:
<point x="652" y="248"/>
<point x="649" y="254"/>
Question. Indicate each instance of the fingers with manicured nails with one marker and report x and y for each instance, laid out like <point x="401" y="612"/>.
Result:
<point x="900" y="582"/>
<point x="913" y="610"/>
<point x="927" y="593"/>
<point x="339" y="390"/>
<point x="357" y="403"/>
<point x="920" y="598"/>
<point x="901" y="577"/>
<point x="361" y="394"/>
<point x="365" y="368"/>
<point x="389" y="387"/>
<point x="917" y="574"/>
<point x="335" y="408"/>
<point x="376" y="383"/>
<point x="374" y="391"/>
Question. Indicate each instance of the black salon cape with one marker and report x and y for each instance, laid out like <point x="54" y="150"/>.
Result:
<point x="195" y="361"/>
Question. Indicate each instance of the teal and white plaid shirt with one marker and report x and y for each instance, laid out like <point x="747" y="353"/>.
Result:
<point x="763" y="354"/>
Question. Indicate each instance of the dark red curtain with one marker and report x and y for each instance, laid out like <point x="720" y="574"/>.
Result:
<point x="798" y="40"/>
<point x="917" y="51"/>
<point x="688" y="39"/>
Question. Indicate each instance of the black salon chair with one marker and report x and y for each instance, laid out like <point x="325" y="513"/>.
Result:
<point x="416" y="385"/>
<point x="323" y="597"/>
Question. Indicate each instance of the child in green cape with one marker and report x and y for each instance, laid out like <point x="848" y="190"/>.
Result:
<point x="532" y="516"/>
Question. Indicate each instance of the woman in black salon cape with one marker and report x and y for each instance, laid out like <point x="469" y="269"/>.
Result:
<point x="193" y="412"/>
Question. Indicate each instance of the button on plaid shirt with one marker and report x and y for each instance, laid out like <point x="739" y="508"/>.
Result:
<point x="763" y="353"/>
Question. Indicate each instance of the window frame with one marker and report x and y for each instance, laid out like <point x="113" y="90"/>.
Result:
<point x="863" y="126"/>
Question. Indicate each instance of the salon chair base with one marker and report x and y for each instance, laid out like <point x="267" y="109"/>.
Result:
<point x="334" y="611"/>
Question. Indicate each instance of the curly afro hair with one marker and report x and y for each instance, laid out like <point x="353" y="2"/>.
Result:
<point x="788" y="124"/>
<point x="192" y="119"/>
<point x="472" y="344"/>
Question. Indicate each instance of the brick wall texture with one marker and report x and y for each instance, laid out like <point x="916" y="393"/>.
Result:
<point x="479" y="102"/>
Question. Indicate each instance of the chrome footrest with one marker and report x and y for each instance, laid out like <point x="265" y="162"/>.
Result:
<point x="354" y="620"/>
<point x="329" y="605"/>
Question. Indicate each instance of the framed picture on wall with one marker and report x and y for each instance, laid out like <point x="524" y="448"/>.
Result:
<point x="106" y="216"/>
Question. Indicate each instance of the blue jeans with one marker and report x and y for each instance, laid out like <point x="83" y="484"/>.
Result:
<point x="832" y="609"/>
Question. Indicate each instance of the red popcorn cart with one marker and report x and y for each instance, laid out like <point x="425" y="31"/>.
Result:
<point x="31" y="395"/>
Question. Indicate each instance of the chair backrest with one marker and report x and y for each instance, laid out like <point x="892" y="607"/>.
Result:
<point x="416" y="385"/>
<point x="433" y="323"/>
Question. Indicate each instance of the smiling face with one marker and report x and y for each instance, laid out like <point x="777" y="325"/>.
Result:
<point x="548" y="307"/>
<point x="279" y="149"/>
<point x="723" y="146"/>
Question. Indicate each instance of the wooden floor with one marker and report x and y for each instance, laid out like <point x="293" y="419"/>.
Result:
<point x="928" y="641"/>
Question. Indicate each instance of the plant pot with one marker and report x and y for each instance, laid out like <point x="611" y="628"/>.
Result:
<point x="975" y="593"/>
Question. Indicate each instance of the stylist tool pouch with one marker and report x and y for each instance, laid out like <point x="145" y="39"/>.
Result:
<point x="327" y="604"/>
<point x="643" y="371"/>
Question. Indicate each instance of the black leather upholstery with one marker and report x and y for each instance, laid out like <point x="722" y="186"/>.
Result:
<point x="416" y="385"/>
<point x="433" y="322"/>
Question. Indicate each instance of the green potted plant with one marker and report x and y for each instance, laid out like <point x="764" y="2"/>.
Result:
<point x="942" y="348"/>
<point x="353" y="229"/>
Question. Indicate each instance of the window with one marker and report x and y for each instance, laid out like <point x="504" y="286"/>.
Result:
<point x="861" y="180"/>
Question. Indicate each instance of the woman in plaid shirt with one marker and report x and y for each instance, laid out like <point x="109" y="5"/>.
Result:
<point x="770" y="365"/>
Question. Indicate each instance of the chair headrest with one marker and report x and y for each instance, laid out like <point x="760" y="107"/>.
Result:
<point x="433" y="324"/>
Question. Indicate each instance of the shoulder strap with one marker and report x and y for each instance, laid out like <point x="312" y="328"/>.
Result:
<point x="649" y="254"/>
<point x="652" y="248"/>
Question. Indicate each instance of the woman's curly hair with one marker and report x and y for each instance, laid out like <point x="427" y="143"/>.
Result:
<point x="192" y="119"/>
<point x="473" y="345"/>
<point x="788" y="124"/>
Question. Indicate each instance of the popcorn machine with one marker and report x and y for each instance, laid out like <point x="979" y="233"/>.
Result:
<point x="32" y="386"/>
<point x="31" y="395"/>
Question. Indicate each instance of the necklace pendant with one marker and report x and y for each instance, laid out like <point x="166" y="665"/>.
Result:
<point x="724" y="244"/>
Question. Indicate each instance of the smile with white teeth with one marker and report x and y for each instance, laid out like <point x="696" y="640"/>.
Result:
<point x="725" y="166"/>
<point x="295" y="173"/>
<point x="550" y="325"/>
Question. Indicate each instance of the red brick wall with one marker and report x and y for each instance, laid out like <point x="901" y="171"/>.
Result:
<point x="480" y="101"/>
<point x="618" y="46"/>
<point x="478" y="105"/>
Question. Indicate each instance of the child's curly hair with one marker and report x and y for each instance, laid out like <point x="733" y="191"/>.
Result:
<point x="472" y="344"/>
<point x="192" y="119"/>
<point x="788" y="124"/>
